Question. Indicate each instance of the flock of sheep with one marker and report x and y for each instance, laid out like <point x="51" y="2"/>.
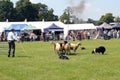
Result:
<point x="65" y="47"/>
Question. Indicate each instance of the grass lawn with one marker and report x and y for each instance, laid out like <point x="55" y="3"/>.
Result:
<point x="37" y="61"/>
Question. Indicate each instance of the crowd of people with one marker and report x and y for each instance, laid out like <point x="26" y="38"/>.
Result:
<point x="72" y="35"/>
<point x="81" y="35"/>
<point x="108" y="34"/>
<point x="11" y="37"/>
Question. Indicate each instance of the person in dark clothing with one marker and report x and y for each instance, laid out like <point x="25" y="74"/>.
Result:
<point x="22" y="37"/>
<point x="11" y="38"/>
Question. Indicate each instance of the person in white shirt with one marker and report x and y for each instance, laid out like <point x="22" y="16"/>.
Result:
<point x="11" y="38"/>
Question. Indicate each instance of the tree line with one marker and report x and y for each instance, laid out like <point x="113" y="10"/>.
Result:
<point x="24" y="9"/>
<point x="107" y="17"/>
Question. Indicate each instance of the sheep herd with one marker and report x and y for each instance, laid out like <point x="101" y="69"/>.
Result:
<point x="65" y="47"/>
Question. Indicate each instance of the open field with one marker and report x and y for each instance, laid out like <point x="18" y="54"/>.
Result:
<point x="37" y="61"/>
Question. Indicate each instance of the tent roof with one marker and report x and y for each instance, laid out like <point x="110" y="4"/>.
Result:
<point x="42" y="25"/>
<point x="105" y="25"/>
<point x="80" y="26"/>
<point x="29" y="27"/>
<point x="117" y="25"/>
<point x="16" y="27"/>
<point x="54" y="26"/>
<point x="3" y="26"/>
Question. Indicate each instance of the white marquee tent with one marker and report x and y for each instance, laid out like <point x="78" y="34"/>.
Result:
<point x="3" y="26"/>
<point x="44" y="24"/>
<point x="78" y="27"/>
<point x="81" y="26"/>
<point x="41" y="25"/>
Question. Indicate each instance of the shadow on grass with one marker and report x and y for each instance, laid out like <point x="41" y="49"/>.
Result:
<point x="24" y="56"/>
<point x="100" y="54"/>
<point x="73" y="54"/>
<point x="69" y="54"/>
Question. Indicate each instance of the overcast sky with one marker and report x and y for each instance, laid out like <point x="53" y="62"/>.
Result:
<point x="93" y="9"/>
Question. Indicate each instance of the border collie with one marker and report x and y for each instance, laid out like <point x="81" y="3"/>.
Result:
<point x="99" y="50"/>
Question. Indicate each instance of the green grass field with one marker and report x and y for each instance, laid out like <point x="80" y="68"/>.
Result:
<point x="37" y="61"/>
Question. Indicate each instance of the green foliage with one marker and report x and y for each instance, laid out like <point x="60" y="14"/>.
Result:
<point x="64" y="18"/>
<point x="90" y="20"/>
<point x="24" y="9"/>
<point x="117" y="19"/>
<point x="33" y="12"/>
<point x="108" y="18"/>
<point x="6" y="10"/>
<point x="47" y="15"/>
<point x="99" y="23"/>
<point x="38" y="61"/>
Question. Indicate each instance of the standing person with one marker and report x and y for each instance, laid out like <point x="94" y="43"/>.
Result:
<point x="11" y="42"/>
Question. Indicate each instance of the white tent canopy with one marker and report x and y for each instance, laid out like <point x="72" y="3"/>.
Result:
<point x="3" y="26"/>
<point x="1" y="29"/>
<point x="29" y="27"/>
<point x="80" y="26"/>
<point x="41" y="25"/>
<point x="44" y="24"/>
<point x="77" y="27"/>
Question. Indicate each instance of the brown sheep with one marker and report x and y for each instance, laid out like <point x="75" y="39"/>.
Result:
<point x="57" y="47"/>
<point x="74" y="46"/>
<point x="67" y="48"/>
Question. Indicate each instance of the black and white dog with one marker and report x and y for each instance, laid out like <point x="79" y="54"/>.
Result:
<point x="99" y="50"/>
<point x="61" y="56"/>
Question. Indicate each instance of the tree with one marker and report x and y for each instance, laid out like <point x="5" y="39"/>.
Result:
<point x="41" y="11"/>
<point x="33" y="12"/>
<point x="108" y="18"/>
<point x="44" y="13"/>
<point x="25" y="10"/>
<point x="51" y="16"/>
<point x="6" y="10"/>
<point x="117" y="19"/>
<point x="90" y="20"/>
<point x="64" y="18"/>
